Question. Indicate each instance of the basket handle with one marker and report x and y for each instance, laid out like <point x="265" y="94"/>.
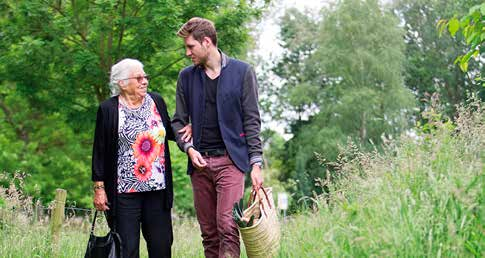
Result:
<point x="252" y="198"/>
<point x="252" y="195"/>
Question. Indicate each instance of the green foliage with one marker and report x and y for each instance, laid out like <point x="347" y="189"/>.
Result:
<point x="297" y="92"/>
<point x="342" y="79"/>
<point x="428" y="69"/>
<point x="453" y="26"/>
<point x="183" y="199"/>
<point x="55" y="58"/>
<point x="275" y="147"/>
<point x="421" y="197"/>
<point x="53" y="154"/>
<point x="471" y="25"/>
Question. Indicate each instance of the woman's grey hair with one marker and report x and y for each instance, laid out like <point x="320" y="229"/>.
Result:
<point x="121" y="71"/>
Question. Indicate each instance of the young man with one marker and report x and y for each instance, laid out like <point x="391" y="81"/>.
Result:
<point x="218" y="95"/>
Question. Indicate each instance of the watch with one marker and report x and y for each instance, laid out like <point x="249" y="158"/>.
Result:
<point x="259" y="164"/>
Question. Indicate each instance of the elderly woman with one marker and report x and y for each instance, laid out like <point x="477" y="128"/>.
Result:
<point x="131" y="162"/>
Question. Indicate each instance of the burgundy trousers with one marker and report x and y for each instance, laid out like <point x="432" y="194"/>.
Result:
<point x="216" y="188"/>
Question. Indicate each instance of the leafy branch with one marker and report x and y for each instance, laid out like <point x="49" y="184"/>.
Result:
<point x="472" y="27"/>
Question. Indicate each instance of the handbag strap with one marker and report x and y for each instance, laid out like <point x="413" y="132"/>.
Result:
<point x="94" y="222"/>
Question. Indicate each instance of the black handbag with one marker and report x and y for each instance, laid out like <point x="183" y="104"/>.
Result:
<point x="108" y="246"/>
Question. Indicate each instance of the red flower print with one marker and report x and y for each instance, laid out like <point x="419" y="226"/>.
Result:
<point x="143" y="171"/>
<point x="155" y="110"/>
<point x="155" y="117"/>
<point x="145" y="148"/>
<point x="153" y="123"/>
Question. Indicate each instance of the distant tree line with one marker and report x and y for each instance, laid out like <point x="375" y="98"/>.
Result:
<point x="363" y="71"/>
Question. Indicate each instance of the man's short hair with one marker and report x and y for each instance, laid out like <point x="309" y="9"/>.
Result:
<point x="199" y="28"/>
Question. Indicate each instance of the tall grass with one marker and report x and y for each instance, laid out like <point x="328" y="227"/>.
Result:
<point x="421" y="197"/>
<point x="24" y="239"/>
<point x="23" y="235"/>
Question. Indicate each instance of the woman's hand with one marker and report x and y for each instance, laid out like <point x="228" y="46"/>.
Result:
<point x="100" y="200"/>
<point x="187" y="133"/>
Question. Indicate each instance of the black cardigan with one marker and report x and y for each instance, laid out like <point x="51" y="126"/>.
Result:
<point x="105" y="149"/>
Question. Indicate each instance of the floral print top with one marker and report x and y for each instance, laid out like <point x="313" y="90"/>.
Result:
<point x="141" y="162"/>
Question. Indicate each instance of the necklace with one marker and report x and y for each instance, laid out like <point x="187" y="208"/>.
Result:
<point x="130" y="106"/>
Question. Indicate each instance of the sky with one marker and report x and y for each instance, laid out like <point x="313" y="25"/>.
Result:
<point x="268" y="29"/>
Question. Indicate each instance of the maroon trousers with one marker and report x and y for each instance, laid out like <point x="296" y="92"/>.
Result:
<point x="216" y="188"/>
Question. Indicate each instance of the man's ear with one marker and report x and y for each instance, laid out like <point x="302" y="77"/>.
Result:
<point x="206" y="41"/>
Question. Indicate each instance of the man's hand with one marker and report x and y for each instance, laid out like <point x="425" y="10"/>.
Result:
<point x="197" y="159"/>
<point x="256" y="177"/>
<point x="187" y="133"/>
<point x="100" y="200"/>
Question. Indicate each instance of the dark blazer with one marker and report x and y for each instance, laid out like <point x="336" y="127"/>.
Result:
<point x="237" y="109"/>
<point x="105" y="149"/>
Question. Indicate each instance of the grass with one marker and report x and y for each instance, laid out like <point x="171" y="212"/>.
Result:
<point x="421" y="197"/>
<point x="24" y="239"/>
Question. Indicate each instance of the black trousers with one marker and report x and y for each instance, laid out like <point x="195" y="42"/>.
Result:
<point x="145" y="210"/>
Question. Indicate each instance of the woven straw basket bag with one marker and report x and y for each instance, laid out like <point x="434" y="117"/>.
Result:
<point x="263" y="237"/>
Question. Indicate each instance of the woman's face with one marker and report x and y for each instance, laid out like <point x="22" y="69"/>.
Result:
<point x="136" y="84"/>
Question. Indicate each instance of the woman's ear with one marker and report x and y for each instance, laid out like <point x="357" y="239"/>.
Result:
<point x="121" y="83"/>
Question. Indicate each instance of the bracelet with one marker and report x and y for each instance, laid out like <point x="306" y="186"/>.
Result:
<point x="96" y="187"/>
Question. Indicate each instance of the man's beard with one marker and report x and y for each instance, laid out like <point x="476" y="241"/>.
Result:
<point x="202" y="60"/>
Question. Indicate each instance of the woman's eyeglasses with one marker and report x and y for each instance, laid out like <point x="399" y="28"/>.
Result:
<point x="139" y="78"/>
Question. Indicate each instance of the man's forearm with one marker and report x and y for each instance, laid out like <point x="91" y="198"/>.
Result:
<point x="180" y="118"/>
<point x="176" y="126"/>
<point x="251" y="117"/>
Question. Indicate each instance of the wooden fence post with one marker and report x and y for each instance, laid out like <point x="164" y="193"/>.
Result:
<point x="38" y="212"/>
<point x="57" y="217"/>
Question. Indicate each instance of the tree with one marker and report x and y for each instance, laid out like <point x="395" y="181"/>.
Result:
<point x="297" y="93"/>
<point x="429" y="57"/>
<point x="343" y="74"/>
<point x="472" y="27"/>
<point x="55" y="58"/>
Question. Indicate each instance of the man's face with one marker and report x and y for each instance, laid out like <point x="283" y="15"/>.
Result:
<point x="196" y="50"/>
